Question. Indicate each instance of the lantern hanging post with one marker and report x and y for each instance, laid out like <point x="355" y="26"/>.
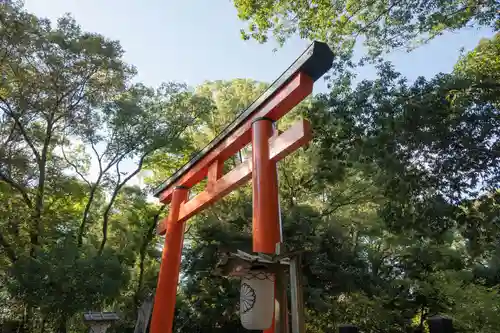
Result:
<point x="296" y="291"/>
<point x="281" y="310"/>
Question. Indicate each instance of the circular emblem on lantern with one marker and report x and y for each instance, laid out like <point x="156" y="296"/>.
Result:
<point x="257" y="300"/>
<point x="247" y="298"/>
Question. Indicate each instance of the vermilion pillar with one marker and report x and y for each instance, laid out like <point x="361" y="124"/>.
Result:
<point x="166" y="290"/>
<point x="266" y="224"/>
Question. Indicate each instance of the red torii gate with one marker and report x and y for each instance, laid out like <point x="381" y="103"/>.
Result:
<point x="254" y="125"/>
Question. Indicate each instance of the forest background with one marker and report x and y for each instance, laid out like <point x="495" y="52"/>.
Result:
<point x="396" y="200"/>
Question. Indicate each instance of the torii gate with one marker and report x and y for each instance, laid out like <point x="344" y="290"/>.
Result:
<point x="254" y="125"/>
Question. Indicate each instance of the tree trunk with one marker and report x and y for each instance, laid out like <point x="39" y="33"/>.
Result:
<point x="42" y="325"/>
<point x="145" y="243"/>
<point x="62" y="325"/>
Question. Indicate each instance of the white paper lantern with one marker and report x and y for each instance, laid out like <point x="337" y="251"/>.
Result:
<point x="257" y="300"/>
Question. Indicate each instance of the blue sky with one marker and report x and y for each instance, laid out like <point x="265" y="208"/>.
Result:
<point x="192" y="41"/>
<point x="196" y="40"/>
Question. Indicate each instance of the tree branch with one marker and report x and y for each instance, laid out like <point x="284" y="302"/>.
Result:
<point x="385" y="12"/>
<point x="11" y="113"/>
<point x="99" y="158"/>
<point x="75" y="167"/>
<point x="351" y="200"/>
<point x="9" y="137"/>
<point x="188" y="229"/>
<point x="8" y="249"/>
<point x="117" y="189"/>
<point x="81" y="229"/>
<point x="142" y="252"/>
<point x="39" y="198"/>
<point x="93" y="190"/>
<point x="18" y="187"/>
<point x="119" y="186"/>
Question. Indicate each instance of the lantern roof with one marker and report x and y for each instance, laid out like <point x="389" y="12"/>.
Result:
<point x="241" y="263"/>
<point x="100" y="316"/>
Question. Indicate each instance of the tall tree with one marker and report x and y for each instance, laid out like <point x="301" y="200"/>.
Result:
<point x="74" y="131"/>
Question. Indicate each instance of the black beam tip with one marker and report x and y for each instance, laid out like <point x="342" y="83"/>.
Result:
<point x="319" y="60"/>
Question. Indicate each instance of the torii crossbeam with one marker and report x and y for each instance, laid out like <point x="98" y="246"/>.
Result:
<point x="255" y="126"/>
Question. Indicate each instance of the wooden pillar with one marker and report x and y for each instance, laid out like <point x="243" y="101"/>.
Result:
<point x="281" y="324"/>
<point x="296" y="293"/>
<point x="166" y="290"/>
<point x="265" y="223"/>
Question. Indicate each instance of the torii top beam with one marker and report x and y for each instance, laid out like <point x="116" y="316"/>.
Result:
<point x="286" y="92"/>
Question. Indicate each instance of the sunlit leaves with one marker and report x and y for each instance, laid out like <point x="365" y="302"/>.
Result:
<point x="381" y="25"/>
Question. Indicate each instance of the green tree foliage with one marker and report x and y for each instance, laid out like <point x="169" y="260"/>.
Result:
<point x="395" y="201"/>
<point x="71" y="120"/>
<point x="380" y="25"/>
